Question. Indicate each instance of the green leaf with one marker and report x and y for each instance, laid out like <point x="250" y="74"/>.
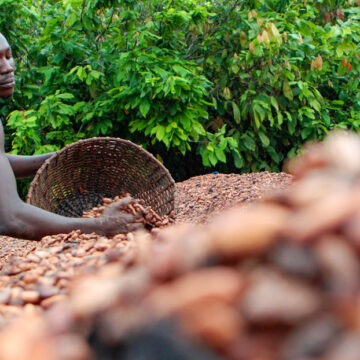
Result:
<point x="227" y="93"/>
<point x="275" y="155"/>
<point x="232" y="142"/>
<point x="210" y="147"/>
<point x="144" y="107"/>
<point x="81" y="73"/>
<point x="65" y="96"/>
<point x="287" y="90"/>
<point x="181" y="71"/>
<point x="257" y="120"/>
<point x="199" y="129"/>
<point x="326" y="118"/>
<point x="291" y="127"/>
<point x="274" y="103"/>
<point x="341" y="48"/>
<point x="264" y="139"/>
<point x="307" y="111"/>
<point x="315" y="104"/>
<point x="249" y="142"/>
<point x="260" y="111"/>
<point x="337" y="102"/>
<point x="160" y="132"/>
<point x="66" y="109"/>
<point x="223" y="143"/>
<point x="213" y="159"/>
<point x="305" y="133"/>
<point x="288" y="116"/>
<point x="236" y="111"/>
<point x="220" y="154"/>
<point x="238" y="160"/>
<point x="235" y="69"/>
<point x="70" y="21"/>
<point x="96" y="74"/>
<point x="87" y="22"/>
<point x="205" y="158"/>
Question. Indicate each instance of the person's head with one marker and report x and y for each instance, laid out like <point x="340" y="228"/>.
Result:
<point x="7" y="67"/>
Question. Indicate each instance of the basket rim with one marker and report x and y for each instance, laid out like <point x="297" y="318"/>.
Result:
<point x="66" y="148"/>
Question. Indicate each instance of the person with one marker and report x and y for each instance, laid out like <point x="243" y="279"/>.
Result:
<point x="22" y="220"/>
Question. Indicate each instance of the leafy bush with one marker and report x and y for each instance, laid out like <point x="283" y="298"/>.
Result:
<point x="282" y="75"/>
<point x="243" y="83"/>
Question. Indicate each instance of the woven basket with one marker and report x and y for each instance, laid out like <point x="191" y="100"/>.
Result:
<point x="77" y="177"/>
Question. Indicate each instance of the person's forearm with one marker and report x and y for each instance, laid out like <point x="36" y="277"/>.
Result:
<point x="25" y="166"/>
<point x="29" y="222"/>
<point x="26" y="221"/>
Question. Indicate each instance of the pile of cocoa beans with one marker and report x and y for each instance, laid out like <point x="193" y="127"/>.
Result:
<point x="279" y="281"/>
<point x="39" y="279"/>
<point x="149" y="217"/>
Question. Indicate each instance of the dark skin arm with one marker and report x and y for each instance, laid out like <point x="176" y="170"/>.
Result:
<point x="26" y="166"/>
<point x="26" y="221"/>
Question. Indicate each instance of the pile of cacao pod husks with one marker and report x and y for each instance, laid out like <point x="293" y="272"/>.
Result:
<point x="280" y="280"/>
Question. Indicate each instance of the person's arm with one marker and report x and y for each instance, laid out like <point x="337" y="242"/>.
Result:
<point x="26" y="221"/>
<point x="26" y="166"/>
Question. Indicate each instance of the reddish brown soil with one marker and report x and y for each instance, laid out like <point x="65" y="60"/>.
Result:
<point x="199" y="198"/>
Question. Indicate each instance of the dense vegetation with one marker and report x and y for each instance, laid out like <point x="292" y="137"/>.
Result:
<point x="234" y="83"/>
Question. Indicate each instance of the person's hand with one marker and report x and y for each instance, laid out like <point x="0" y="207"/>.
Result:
<point x="116" y="221"/>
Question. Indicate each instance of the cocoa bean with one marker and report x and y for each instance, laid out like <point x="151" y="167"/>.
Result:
<point x="31" y="310"/>
<point x="33" y="257"/>
<point x="30" y="277"/>
<point x="46" y="291"/>
<point x="51" y="301"/>
<point x="5" y="295"/>
<point x="11" y="311"/>
<point x="42" y="254"/>
<point x="32" y="297"/>
<point x="273" y="299"/>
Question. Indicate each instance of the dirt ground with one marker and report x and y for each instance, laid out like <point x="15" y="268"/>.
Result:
<point x="198" y="199"/>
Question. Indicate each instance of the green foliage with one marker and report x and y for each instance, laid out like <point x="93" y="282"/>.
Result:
<point x="282" y="75"/>
<point x="244" y="83"/>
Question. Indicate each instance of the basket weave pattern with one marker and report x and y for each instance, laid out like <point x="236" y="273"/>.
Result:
<point x="77" y="177"/>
